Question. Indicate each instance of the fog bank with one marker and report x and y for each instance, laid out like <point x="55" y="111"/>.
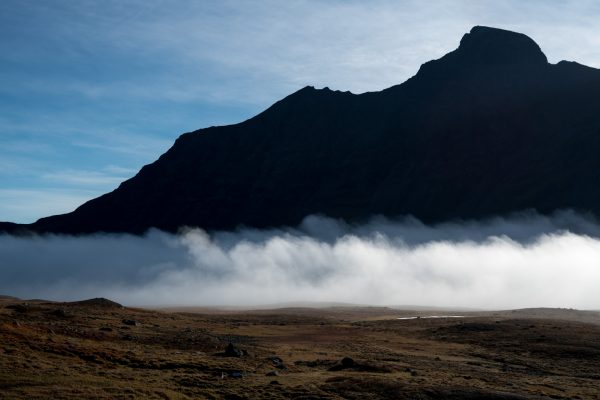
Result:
<point x="523" y="261"/>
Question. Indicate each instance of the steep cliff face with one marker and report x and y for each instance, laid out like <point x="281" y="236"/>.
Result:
<point x="488" y="129"/>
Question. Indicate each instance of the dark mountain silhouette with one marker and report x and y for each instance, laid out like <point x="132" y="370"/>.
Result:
<point x="490" y="128"/>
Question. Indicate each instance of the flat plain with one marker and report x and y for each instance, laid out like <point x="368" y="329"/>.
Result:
<point x="97" y="349"/>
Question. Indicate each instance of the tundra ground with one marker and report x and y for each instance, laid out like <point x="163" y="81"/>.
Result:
<point x="99" y="350"/>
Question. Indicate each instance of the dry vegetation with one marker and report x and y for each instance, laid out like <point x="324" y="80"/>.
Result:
<point x="99" y="350"/>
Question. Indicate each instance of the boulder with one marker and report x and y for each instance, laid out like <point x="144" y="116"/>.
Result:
<point x="232" y="351"/>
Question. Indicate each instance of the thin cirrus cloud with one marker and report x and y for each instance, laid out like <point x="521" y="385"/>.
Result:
<point x="522" y="261"/>
<point x="116" y="82"/>
<point x="109" y="176"/>
<point x="18" y="203"/>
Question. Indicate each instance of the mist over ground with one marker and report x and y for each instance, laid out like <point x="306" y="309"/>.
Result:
<point x="526" y="260"/>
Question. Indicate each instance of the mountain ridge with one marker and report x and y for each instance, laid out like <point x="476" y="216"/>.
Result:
<point x="488" y="129"/>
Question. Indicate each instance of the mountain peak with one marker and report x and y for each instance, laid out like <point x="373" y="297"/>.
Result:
<point x="486" y="130"/>
<point x="485" y="45"/>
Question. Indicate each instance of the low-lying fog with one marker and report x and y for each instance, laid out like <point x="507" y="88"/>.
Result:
<point x="522" y="261"/>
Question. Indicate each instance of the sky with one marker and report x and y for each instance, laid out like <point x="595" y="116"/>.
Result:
<point x="90" y="91"/>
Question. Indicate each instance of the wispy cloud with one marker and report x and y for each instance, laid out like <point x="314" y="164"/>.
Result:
<point x="17" y="204"/>
<point x="86" y="178"/>
<point x="115" y="169"/>
<point x="57" y="191"/>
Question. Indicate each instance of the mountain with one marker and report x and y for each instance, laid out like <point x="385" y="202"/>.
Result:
<point x="490" y="128"/>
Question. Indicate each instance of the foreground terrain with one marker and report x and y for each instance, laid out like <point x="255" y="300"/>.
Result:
<point x="97" y="349"/>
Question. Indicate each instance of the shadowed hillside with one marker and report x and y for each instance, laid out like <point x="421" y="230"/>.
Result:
<point x="488" y="129"/>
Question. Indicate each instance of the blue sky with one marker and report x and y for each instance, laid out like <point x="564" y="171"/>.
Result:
<point x="92" y="91"/>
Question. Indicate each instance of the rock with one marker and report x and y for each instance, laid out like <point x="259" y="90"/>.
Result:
<point x="347" y="362"/>
<point x="106" y="329"/>
<point x="98" y="302"/>
<point x="89" y="357"/>
<point x="59" y="312"/>
<point x="20" y="308"/>
<point x="272" y="373"/>
<point x="236" y="374"/>
<point x="232" y="351"/>
<point x="277" y="362"/>
<point x="274" y="383"/>
<point x="131" y="322"/>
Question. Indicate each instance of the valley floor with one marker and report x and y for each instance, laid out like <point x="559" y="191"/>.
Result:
<point x="99" y="350"/>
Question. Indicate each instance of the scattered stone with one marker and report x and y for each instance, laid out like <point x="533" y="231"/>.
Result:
<point x="59" y="312"/>
<point x="130" y="337"/>
<point x="274" y="383"/>
<point x="232" y="351"/>
<point x="316" y="363"/>
<point x="131" y="322"/>
<point x="90" y="358"/>
<point x="236" y="374"/>
<point x="347" y="362"/>
<point x="272" y="373"/>
<point x="277" y="362"/>
<point x="20" y="308"/>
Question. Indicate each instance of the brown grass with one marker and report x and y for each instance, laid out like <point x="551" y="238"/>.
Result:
<point x="84" y="350"/>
